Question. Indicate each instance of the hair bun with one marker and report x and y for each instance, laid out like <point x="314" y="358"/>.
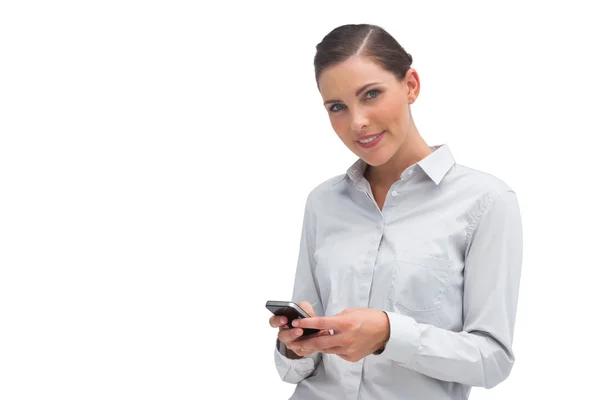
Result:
<point x="350" y="40"/>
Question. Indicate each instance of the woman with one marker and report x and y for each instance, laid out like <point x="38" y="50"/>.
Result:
<point x="409" y="263"/>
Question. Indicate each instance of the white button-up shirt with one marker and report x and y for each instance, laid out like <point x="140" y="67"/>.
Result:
<point x="442" y="258"/>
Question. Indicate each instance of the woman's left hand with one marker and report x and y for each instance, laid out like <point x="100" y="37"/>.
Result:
<point x="357" y="333"/>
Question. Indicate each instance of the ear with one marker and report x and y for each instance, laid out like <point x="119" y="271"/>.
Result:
<point x="413" y="85"/>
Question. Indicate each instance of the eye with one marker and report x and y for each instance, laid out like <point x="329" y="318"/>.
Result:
<point x="334" y="108"/>
<point x="371" y="94"/>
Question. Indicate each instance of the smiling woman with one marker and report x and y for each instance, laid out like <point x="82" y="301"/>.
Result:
<point x="412" y="260"/>
<point x="367" y="83"/>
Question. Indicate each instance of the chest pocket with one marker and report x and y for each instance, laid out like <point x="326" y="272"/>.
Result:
<point x="418" y="281"/>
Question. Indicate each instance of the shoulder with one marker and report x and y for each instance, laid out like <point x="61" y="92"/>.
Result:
<point x="477" y="183"/>
<point x="481" y="190"/>
<point x="325" y="189"/>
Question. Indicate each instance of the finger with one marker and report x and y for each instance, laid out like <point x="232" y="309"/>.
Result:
<point x="321" y="333"/>
<point x="289" y="335"/>
<point x="326" y="323"/>
<point x="303" y="352"/>
<point x="339" y="350"/>
<point x="318" y="343"/>
<point x="306" y="306"/>
<point x="277" y="321"/>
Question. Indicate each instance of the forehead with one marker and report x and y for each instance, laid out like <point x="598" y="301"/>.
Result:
<point x="344" y="78"/>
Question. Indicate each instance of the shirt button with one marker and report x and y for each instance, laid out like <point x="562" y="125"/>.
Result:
<point x="394" y="193"/>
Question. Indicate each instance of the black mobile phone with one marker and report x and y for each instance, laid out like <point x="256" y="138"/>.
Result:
<point x="291" y="311"/>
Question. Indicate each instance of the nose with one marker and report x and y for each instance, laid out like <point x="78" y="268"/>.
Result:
<point x="359" y="121"/>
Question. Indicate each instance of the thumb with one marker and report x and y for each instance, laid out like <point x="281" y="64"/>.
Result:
<point x="306" y="306"/>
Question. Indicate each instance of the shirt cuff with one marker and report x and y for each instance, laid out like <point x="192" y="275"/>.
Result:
<point x="404" y="338"/>
<point x="294" y="370"/>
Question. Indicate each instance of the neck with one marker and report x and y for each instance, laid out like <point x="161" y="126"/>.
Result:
<point x="412" y="150"/>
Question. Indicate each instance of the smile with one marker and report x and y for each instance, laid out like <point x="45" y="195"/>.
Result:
<point x="370" y="141"/>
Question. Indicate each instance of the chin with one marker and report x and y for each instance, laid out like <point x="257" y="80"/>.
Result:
<point x="377" y="159"/>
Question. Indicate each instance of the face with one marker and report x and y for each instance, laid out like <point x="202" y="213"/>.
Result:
<point x="369" y="107"/>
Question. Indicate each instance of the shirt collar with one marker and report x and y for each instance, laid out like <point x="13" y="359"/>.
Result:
<point x="436" y="165"/>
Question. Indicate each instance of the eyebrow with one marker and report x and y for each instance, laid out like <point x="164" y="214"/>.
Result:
<point x="359" y="91"/>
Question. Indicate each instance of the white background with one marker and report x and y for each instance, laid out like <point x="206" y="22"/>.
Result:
<point x="155" y="158"/>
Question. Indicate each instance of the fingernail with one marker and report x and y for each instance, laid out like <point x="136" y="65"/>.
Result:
<point x="298" y="332"/>
<point x="294" y="323"/>
<point x="282" y="320"/>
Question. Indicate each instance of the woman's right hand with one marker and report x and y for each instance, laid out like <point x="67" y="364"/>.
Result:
<point x="287" y="335"/>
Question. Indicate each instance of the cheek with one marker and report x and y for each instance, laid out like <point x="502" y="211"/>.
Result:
<point x="393" y="113"/>
<point x="341" y="128"/>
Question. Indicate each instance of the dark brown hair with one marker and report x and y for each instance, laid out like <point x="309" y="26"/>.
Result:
<point x="362" y="39"/>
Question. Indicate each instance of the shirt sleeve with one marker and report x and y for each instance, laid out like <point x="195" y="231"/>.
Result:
<point x="305" y="289"/>
<point x="481" y="354"/>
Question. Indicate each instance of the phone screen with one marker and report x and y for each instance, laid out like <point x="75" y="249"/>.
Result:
<point x="291" y="311"/>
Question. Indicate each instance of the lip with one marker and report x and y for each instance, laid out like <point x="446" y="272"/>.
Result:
<point x="368" y="136"/>
<point x="370" y="144"/>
